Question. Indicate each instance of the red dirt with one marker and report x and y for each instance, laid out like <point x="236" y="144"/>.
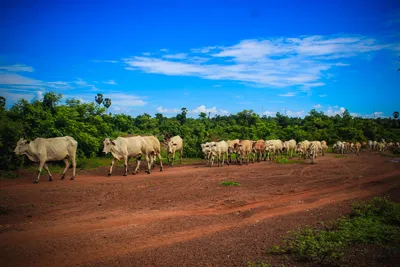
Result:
<point x="182" y="216"/>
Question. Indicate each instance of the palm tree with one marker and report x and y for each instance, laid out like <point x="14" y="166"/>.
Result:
<point x="99" y="98"/>
<point x="2" y="102"/>
<point x="107" y="103"/>
<point x="395" y="114"/>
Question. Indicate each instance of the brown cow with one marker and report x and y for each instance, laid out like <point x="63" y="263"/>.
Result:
<point x="259" y="149"/>
<point x="244" y="149"/>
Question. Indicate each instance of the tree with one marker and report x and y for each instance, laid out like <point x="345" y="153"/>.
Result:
<point x="2" y="102"/>
<point x="107" y="103"/>
<point x="51" y="99"/>
<point x="395" y="114"/>
<point x="182" y="117"/>
<point x="99" y="99"/>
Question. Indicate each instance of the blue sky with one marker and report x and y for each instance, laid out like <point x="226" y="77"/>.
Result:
<point x="211" y="56"/>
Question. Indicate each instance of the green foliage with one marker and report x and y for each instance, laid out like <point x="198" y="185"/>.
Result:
<point x="89" y="124"/>
<point x="373" y="222"/>
<point x="230" y="183"/>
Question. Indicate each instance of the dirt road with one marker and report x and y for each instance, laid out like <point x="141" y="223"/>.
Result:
<point x="182" y="216"/>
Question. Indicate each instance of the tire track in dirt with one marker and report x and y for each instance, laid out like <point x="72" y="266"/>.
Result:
<point x="70" y="227"/>
<point x="178" y="237"/>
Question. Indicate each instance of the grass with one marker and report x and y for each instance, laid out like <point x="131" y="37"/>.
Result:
<point x="340" y="156"/>
<point x="284" y="160"/>
<point x="230" y="183"/>
<point x="372" y="222"/>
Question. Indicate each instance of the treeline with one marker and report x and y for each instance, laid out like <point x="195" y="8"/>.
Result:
<point x="89" y="124"/>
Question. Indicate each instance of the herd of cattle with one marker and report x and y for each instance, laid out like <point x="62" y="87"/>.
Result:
<point x="44" y="150"/>
<point x="260" y="150"/>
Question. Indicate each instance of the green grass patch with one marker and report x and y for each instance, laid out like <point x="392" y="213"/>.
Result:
<point x="230" y="183"/>
<point x="373" y="222"/>
<point x="340" y="156"/>
<point x="285" y="160"/>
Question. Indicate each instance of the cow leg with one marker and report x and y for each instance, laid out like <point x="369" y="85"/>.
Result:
<point x="41" y="164"/>
<point x="73" y="160"/>
<point x="181" y="153"/>
<point x="48" y="171"/>
<point x="160" y="160"/>
<point x="67" y="163"/>
<point x="125" y="166"/>
<point x="173" y="157"/>
<point x="111" y="167"/>
<point x="137" y="164"/>
<point x="149" y="160"/>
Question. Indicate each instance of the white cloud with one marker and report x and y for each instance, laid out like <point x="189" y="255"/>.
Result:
<point x="289" y="113"/>
<point x="217" y="85"/>
<point x="317" y="106"/>
<point x="176" y="56"/>
<point x="269" y="113"/>
<point x="82" y="83"/>
<point x="110" y="82"/>
<point x="168" y="110"/>
<point x="276" y="101"/>
<point x="163" y="50"/>
<point x="16" y="79"/>
<point x="323" y="95"/>
<point x="212" y="110"/>
<point x="289" y="94"/>
<point x="105" y="61"/>
<point x="335" y="111"/>
<point x="295" y="113"/>
<point x="196" y="110"/>
<point x="275" y="62"/>
<point x="17" y="68"/>
<point x="146" y="54"/>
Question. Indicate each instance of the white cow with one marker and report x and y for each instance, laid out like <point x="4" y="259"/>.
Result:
<point x="130" y="147"/>
<point x="231" y="150"/>
<point x="274" y="146"/>
<point x="289" y="147"/>
<point x="301" y="148"/>
<point x="43" y="150"/>
<point x="175" y="144"/>
<point x="157" y="150"/>
<point x="220" y="150"/>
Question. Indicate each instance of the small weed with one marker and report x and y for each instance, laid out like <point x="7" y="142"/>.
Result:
<point x="5" y="197"/>
<point x="257" y="264"/>
<point x="340" y="156"/>
<point x="4" y="210"/>
<point x="52" y="204"/>
<point x="230" y="183"/>
<point x="28" y="205"/>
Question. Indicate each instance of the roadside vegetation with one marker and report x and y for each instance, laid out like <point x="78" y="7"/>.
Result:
<point x="373" y="222"/>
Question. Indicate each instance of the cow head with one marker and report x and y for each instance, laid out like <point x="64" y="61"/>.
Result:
<point x="22" y="146"/>
<point x="108" y="143"/>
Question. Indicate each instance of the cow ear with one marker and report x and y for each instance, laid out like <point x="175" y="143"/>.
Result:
<point x="113" y="143"/>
